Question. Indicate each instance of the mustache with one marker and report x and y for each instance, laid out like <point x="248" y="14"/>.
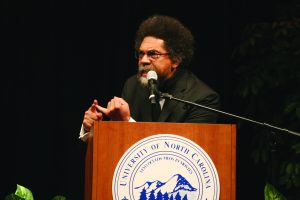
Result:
<point x="142" y="68"/>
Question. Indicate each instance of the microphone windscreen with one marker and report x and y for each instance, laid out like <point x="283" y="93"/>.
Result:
<point x="152" y="75"/>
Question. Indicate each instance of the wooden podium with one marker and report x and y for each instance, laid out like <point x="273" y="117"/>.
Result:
<point x="112" y="139"/>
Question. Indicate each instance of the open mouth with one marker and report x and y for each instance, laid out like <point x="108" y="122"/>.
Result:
<point x="143" y="72"/>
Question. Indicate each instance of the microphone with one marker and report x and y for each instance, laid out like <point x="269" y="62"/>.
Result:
<point x="152" y="85"/>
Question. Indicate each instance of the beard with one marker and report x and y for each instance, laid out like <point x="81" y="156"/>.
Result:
<point x="142" y="70"/>
<point x="143" y="81"/>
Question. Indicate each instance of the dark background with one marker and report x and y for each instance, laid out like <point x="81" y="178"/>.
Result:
<point x="60" y="55"/>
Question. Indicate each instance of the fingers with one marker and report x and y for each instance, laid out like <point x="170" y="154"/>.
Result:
<point x="91" y="115"/>
<point x="117" y="109"/>
<point x="122" y="101"/>
<point x="93" y="106"/>
<point x="102" y="109"/>
<point x="115" y="103"/>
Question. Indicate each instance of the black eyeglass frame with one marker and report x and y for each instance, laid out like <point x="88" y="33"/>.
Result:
<point x="152" y="54"/>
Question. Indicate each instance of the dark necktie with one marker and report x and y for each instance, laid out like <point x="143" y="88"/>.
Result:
<point x="155" y="111"/>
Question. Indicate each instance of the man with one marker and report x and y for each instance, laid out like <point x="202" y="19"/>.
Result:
<point x="164" y="45"/>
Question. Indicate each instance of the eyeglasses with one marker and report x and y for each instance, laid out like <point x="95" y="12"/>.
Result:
<point x="152" y="54"/>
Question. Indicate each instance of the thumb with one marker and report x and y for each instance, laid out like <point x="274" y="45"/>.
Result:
<point x="102" y="109"/>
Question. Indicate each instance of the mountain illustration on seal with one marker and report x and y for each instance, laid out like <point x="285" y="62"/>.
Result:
<point x="177" y="183"/>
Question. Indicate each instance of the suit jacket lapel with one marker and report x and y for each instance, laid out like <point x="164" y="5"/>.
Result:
<point x="177" y="90"/>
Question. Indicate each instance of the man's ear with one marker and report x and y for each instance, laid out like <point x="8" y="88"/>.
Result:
<point x="176" y="62"/>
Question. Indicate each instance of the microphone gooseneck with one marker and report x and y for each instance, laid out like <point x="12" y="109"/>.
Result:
<point x="152" y="85"/>
<point x="170" y="97"/>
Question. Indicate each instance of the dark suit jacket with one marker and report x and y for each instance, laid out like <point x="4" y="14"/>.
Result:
<point x="184" y="85"/>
